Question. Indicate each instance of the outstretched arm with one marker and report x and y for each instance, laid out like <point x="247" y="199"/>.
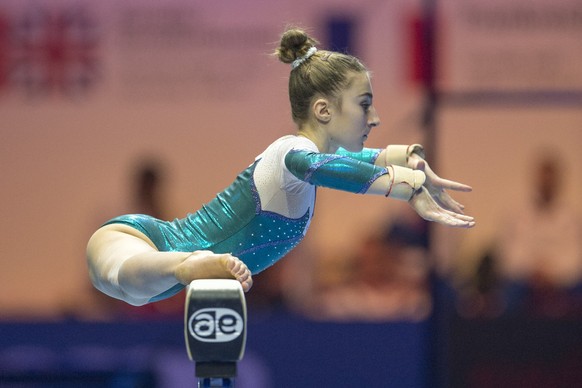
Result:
<point x="344" y="173"/>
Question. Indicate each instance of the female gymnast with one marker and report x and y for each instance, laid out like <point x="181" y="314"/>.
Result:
<point x="266" y="211"/>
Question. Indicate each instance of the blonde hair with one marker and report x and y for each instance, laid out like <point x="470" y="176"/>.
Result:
<point x="324" y="73"/>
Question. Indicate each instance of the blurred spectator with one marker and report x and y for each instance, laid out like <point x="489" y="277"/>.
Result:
<point x="287" y="286"/>
<point x="540" y="252"/>
<point x="149" y="179"/>
<point x="386" y="279"/>
<point x="267" y="294"/>
<point x="481" y="295"/>
<point x="146" y="196"/>
<point x="148" y="189"/>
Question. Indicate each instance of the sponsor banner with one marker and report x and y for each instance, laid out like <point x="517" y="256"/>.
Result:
<point x="172" y="50"/>
<point x="521" y="45"/>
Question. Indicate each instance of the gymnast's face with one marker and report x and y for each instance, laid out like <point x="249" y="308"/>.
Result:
<point x="353" y="115"/>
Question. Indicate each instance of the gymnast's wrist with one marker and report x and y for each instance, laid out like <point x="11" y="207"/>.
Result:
<point x="404" y="182"/>
<point x="398" y="154"/>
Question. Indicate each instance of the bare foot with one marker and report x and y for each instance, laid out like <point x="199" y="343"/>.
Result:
<point x="208" y="265"/>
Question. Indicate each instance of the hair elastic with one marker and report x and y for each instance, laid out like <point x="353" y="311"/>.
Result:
<point x="302" y="59"/>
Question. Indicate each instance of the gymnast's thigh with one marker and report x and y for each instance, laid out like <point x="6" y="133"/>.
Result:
<point x="111" y="245"/>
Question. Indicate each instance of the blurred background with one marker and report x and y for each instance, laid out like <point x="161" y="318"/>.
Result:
<point x="144" y="106"/>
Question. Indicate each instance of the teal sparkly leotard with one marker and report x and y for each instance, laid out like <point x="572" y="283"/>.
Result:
<point x="266" y="211"/>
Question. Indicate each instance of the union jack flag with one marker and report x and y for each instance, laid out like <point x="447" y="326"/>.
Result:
<point x="47" y="52"/>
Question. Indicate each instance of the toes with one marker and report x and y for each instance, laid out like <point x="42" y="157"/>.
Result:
<point x="230" y="262"/>
<point x="247" y="284"/>
<point x="240" y="271"/>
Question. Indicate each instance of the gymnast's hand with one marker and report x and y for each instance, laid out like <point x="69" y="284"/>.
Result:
<point x="209" y="265"/>
<point x="436" y="185"/>
<point x="426" y="207"/>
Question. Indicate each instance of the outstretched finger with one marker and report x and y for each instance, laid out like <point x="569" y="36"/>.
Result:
<point x="461" y="219"/>
<point x="458" y="222"/>
<point x="452" y="185"/>
<point x="450" y="218"/>
<point x="447" y="202"/>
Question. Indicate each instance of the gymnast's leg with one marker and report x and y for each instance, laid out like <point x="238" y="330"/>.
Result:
<point x="125" y="264"/>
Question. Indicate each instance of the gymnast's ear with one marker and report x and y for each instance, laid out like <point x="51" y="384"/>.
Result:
<point x="321" y="110"/>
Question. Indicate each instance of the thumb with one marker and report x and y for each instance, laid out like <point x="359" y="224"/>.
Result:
<point x="420" y="165"/>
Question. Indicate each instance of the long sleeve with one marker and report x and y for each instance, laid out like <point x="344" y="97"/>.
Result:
<point x="367" y="155"/>
<point x="333" y="170"/>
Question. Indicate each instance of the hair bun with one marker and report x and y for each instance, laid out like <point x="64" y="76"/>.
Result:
<point x="294" y="44"/>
